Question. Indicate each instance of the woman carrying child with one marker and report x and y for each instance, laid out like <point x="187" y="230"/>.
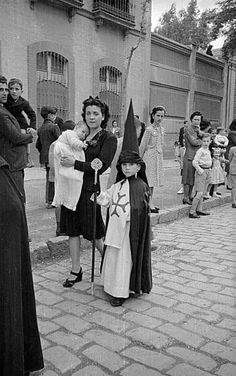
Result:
<point x="192" y="138"/>
<point x="102" y="145"/>
<point x="127" y="262"/>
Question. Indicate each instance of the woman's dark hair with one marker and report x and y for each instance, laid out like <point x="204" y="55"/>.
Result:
<point x="196" y="113"/>
<point x="232" y="126"/>
<point x="218" y="129"/>
<point x="154" y="111"/>
<point x="205" y="125"/>
<point x="99" y="103"/>
<point x="3" y="80"/>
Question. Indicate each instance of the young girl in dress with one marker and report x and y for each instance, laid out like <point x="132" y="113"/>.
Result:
<point x="127" y="261"/>
<point x="217" y="171"/>
<point x="218" y="149"/>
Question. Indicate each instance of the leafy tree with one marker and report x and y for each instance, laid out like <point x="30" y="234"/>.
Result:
<point x="224" y="23"/>
<point x="188" y="26"/>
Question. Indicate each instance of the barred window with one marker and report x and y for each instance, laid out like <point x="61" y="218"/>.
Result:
<point x="110" y="79"/>
<point x="110" y="89"/>
<point x="52" y="66"/>
<point x="52" y="82"/>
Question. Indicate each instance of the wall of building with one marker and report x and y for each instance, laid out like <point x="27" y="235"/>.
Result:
<point x="184" y="80"/>
<point x="23" y="31"/>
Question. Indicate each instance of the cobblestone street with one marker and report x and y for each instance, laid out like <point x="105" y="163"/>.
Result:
<point x="184" y="327"/>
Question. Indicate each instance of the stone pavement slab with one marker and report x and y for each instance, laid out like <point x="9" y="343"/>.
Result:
<point x="184" y="327"/>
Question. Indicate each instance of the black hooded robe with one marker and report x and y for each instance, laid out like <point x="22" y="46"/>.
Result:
<point x="20" y="348"/>
<point x="141" y="274"/>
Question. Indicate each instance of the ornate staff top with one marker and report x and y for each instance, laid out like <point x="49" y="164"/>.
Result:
<point x="96" y="165"/>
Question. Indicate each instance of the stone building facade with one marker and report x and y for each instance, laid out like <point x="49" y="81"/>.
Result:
<point x="66" y="50"/>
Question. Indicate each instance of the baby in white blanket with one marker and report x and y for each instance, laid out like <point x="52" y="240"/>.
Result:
<point x="68" y="181"/>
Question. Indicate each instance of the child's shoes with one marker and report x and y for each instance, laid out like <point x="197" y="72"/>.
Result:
<point x="117" y="302"/>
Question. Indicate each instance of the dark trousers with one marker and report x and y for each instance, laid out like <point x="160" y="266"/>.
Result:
<point x="49" y="187"/>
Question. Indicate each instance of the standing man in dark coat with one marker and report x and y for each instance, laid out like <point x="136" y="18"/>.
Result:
<point x="47" y="134"/>
<point x="12" y="141"/>
<point x="20" y="348"/>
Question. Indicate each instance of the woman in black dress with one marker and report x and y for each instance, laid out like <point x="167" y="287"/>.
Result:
<point x="20" y="348"/>
<point x="232" y="142"/>
<point x="102" y="145"/>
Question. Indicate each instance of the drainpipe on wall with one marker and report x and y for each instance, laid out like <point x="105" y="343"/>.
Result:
<point x="226" y="95"/>
<point x="231" y="92"/>
<point x="224" y="103"/>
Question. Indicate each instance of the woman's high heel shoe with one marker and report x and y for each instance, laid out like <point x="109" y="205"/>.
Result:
<point x="186" y="201"/>
<point x="154" y="210"/>
<point x="70" y="282"/>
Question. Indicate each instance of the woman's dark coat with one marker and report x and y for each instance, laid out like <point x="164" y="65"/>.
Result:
<point x="47" y="134"/>
<point x="20" y="348"/>
<point x="80" y="222"/>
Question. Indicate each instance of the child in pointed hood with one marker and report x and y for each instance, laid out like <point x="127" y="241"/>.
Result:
<point x="126" y="265"/>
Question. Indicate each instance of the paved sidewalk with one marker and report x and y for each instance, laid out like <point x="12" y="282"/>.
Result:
<point x="184" y="327"/>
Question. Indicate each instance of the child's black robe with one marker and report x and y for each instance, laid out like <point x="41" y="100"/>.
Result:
<point x="141" y="274"/>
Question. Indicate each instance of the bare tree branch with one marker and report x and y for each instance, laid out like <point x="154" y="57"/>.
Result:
<point x="142" y="35"/>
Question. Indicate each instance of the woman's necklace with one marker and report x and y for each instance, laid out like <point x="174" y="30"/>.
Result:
<point x="155" y="129"/>
<point x="94" y="135"/>
<point x="94" y="139"/>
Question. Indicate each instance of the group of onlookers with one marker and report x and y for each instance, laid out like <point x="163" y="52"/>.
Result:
<point x="74" y="157"/>
<point x="206" y="162"/>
